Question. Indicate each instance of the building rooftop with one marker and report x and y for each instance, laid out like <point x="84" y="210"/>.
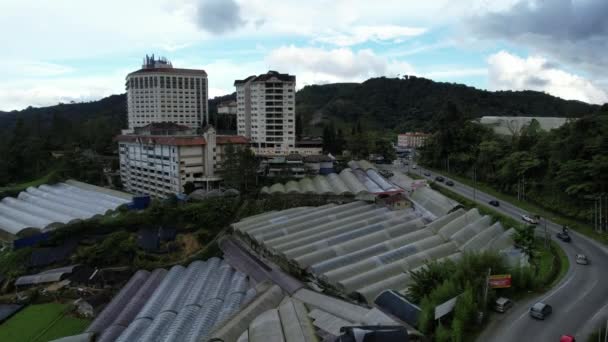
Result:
<point x="265" y="77"/>
<point x="48" y="276"/>
<point x="181" y="140"/>
<point x="175" y="71"/>
<point x="163" y="140"/>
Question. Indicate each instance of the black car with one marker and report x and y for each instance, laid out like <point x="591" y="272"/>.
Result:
<point x="450" y="183"/>
<point x="427" y="174"/>
<point x="439" y="179"/>
<point x="494" y="203"/>
<point x="564" y="237"/>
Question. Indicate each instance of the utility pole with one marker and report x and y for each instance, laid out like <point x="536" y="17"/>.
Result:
<point x="474" y="183"/>
<point x="601" y="227"/>
<point x="546" y="235"/>
<point x="523" y="191"/>
<point x="595" y="214"/>
<point x="485" y="292"/>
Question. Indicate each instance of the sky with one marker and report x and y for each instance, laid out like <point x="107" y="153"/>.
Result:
<point x="69" y="50"/>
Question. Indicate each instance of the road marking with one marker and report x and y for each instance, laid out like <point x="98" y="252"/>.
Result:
<point x="554" y="291"/>
<point x="583" y="295"/>
<point x="592" y="321"/>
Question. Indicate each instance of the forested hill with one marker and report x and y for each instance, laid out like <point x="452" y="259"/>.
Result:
<point x="380" y="103"/>
<point x="409" y="103"/>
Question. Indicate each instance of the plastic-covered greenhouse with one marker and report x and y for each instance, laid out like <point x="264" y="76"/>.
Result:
<point x="360" y="178"/>
<point x="182" y="304"/>
<point x="366" y="248"/>
<point x="49" y="206"/>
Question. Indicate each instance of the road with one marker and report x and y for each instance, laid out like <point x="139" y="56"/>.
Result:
<point x="580" y="300"/>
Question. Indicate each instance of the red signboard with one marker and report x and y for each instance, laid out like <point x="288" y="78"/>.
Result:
<point x="500" y="281"/>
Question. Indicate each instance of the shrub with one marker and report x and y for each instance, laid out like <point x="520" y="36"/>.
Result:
<point x="442" y="334"/>
<point x="427" y="316"/>
<point x="457" y="330"/>
<point x="116" y="248"/>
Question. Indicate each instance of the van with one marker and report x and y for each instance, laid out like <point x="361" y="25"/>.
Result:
<point x="540" y="310"/>
<point x="502" y="304"/>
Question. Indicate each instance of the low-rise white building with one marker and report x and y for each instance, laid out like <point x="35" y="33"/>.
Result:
<point x="160" y="158"/>
<point x="412" y="139"/>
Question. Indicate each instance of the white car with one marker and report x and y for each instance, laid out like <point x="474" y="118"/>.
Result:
<point x="582" y="259"/>
<point x="529" y="219"/>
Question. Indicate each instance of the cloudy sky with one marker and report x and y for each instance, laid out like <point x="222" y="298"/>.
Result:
<point x="71" y="50"/>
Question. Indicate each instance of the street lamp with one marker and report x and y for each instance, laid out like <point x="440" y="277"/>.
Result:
<point x="475" y="183"/>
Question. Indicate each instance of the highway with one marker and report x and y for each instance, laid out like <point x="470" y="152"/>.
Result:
<point x="579" y="300"/>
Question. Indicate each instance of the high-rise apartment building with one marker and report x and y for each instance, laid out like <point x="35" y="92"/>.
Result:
<point x="266" y="112"/>
<point x="158" y="92"/>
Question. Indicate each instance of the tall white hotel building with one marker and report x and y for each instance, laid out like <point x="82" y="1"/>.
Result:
<point x="266" y="112"/>
<point x="158" y="92"/>
<point x="166" y="146"/>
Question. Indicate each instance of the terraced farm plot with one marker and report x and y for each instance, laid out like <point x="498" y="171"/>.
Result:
<point x="41" y="322"/>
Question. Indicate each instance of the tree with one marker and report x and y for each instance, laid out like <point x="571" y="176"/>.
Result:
<point x="340" y="142"/>
<point x="299" y="127"/>
<point x="239" y="168"/>
<point x="426" y="279"/>
<point x="360" y="145"/>
<point x="249" y="167"/>
<point x="229" y="167"/>
<point x="525" y="240"/>
<point x="329" y="138"/>
<point x="189" y="188"/>
<point x="385" y="148"/>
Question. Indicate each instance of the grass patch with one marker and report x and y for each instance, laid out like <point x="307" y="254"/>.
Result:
<point x="414" y="175"/>
<point x="16" y="188"/>
<point x="13" y="190"/>
<point x="41" y="322"/>
<point x="564" y="263"/>
<point x="532" y="208"/>
<point x="66" y="326"/>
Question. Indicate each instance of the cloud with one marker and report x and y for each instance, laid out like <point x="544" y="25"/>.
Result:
<point x="20" y="69"/>
<point x="455" y="73"/>
<point x="39" y="92"/>
<point x="219" y="16"/>
<point x="510" y="72"/>
<point x="362" y="34"/>
<point x="315" y="65"/>
<point x="574" y="32"/>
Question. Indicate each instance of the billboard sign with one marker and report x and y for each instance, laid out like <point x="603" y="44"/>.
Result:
<point x="500" y="281"/>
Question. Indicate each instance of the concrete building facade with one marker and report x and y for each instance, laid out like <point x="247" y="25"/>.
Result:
<point x="412" y="139"/>
<point x="227" y="108"/>
<point x="266" y="112"/>
<point x="160" y="158"/>
<point x="158" y="92"/>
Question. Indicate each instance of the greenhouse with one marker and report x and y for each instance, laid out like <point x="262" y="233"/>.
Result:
<point x="361" y="178"/>
<point x="305" y="316"/>
<point x="182" y="304"/>
<point x="363" y="249"/>
<point x="49" y="206"/>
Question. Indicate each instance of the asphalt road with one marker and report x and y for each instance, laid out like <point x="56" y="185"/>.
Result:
<point x="580" y="300"/>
